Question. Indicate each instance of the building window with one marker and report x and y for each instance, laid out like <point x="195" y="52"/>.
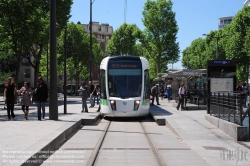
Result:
<point x="99" y="28"/>
<point x="106" y="29"/>
<point x="27" y="73"/>
<point x="99" y="36"/>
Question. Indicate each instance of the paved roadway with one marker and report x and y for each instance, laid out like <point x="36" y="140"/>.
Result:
<point x="191" y="141"/>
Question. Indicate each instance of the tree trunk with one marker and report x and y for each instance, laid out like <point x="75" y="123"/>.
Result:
<point x="37" y="66"/>
<point x="158" y="64"/>
<point x="16" y="76"/>
<point x="18" y="62"/>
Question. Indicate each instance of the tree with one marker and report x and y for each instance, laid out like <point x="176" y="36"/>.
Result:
<point x="236" y="46"/>
<point x="25" y="24"/>
<point x="160" y="34"/>
<point x="123" y="41"/>
<point x="78" y="60"/>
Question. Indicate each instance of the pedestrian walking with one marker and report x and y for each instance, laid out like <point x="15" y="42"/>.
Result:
<point x="162" y="92"/>
<point x="97" y="87"/>
<point x="41" y="93"/>
<point x="181" y="93"/>
<point x="246" y="95"/>
<point x="83" y="92"/>
<point x="26" y="93"/>
<point x="5" y="104"/>
<point x="92" y="94"/>
<point x="169" y="92"/>
<point x="155" y="94"/>
<point x="240" y="90"/>
<point x="9" y="97"/>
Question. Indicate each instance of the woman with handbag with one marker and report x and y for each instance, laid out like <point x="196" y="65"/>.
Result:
<point x="26" y="92"/>
<point x="9" y="97"/>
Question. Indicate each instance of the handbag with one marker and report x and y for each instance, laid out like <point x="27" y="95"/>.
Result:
<point x="34" y="97"/>
<point x="151" y="97"/>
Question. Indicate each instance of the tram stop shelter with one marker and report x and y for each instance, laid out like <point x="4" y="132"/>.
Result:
<point x="195" y="84"/>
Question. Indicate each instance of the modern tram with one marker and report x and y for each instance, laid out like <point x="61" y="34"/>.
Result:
<point x="124" y="86"/>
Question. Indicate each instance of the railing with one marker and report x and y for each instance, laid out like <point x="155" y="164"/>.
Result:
<point x="228" y="106"/>
<point x="194" y="96"/>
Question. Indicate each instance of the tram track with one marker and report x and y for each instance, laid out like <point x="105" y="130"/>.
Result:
<point x="99" y="146"/>
<point x="153" y="149"/>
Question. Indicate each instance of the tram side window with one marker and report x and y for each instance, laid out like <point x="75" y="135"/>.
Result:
<point x="103" y="94"/>
<point x="146" y="85"/>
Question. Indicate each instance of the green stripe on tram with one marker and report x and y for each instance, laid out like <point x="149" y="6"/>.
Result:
<point x="104" y="102"/>
<point x="145" y="101"/>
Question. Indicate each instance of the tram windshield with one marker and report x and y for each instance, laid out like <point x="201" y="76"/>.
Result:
<point x="125" y="79"/>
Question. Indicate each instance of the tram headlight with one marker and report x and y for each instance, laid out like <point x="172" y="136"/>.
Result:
<point x="136" y="105"/>
<point x="113" y="105"/>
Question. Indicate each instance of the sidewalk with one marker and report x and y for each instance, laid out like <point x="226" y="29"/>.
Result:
<point x="212" y="144"/>
<point x="21" y="138"/>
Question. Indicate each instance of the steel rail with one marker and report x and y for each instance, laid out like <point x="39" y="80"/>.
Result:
<point x="153" y="149"/>
<point x="95" y="152"/>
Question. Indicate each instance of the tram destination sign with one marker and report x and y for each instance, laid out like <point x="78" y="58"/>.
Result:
<point x="124" y="66"/>
<point x="222" y="63"/>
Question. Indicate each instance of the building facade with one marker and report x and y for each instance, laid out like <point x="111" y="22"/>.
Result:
<point x="26" y="73"/>
<point x="103" y="33"/>
<point x="225" y="21"/>
<point x="246" y="2"/>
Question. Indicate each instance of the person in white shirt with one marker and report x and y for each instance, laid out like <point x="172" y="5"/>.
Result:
<point x="181" y="93"/>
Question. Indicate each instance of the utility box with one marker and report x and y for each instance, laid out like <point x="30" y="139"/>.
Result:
<point x="221" y="77"/>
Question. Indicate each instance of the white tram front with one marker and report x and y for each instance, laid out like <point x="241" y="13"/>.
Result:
<point x="124" y="86"/>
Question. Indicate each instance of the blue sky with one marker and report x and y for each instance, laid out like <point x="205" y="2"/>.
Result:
<point x="194" y="17"/>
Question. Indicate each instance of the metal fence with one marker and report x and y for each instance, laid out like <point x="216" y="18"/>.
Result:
<point x="194" y="96"/>
<point x="228" y="106"/>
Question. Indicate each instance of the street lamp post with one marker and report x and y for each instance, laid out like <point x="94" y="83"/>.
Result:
<point x="65" y="69"/>
<point x="217" y="38"/>
<point x="90" y="40"/>
<point x="106" y="40"/>
<point x="47" y="63"/>
<point x="53" y="105"/>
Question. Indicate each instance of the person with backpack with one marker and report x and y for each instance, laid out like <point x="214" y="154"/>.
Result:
<point x="181" y="93"/>
<point x="155" y="93"/>
<point x="84" y="93"/>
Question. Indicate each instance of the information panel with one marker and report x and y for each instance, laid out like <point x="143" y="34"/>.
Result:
<point x="221" y="85"/>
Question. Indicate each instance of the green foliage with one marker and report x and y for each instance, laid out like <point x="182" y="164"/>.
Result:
<point x="77" y="48"/>
<point x="4" y="77"/>
<point x="123" y="41"/>
<point x="159" y="37"/>
<point x="25" y="25"/>
<point x="43" y="64"/>
<point x="233" y="44"/>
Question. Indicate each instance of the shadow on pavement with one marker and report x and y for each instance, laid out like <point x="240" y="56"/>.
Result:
<point x="159" y="111"/>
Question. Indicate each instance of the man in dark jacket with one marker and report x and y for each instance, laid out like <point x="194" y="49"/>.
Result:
<point x="155" y="93"/>
<point x="85" y="94"/>
<point x="41" y="93"/>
